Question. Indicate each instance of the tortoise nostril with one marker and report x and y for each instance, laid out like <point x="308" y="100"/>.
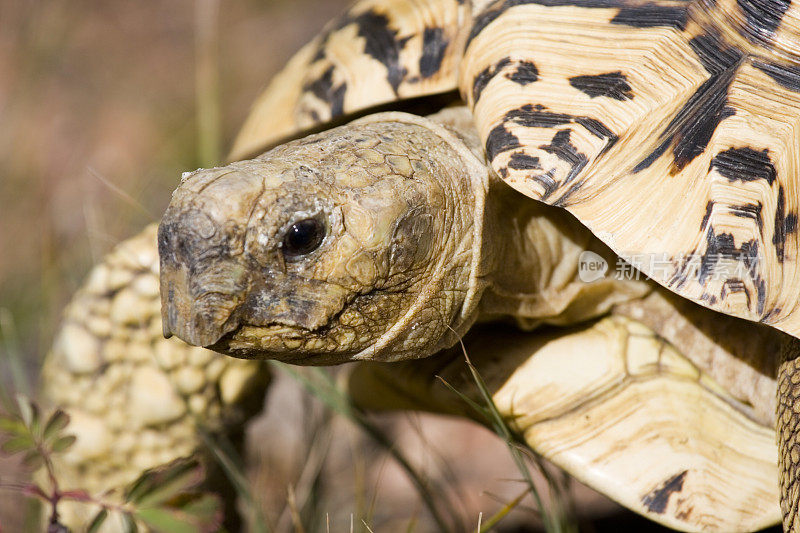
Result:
<point x="187" y="236"/>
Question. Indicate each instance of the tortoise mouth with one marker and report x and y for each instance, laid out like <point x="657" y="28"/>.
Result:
<point x="272" y="341"/>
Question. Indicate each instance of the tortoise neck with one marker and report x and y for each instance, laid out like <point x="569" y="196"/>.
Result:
<point x="532" y="253"/>
<point x="525" y="254"/>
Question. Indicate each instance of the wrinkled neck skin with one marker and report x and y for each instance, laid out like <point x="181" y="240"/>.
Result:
<point x="385" y="239"/>
<point x="532" y="253"/>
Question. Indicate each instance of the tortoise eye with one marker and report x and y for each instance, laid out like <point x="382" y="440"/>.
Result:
<point x="303" y="237"/>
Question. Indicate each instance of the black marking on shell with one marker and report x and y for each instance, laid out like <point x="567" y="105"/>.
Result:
<point x="695" y="139"/>
<point x="652" y="157"/>
<point x="523" y="161"/>
<point x="715" y="56"/>
<point x="320" y="53"/>
<point x="642" y="16"/>
<point x="483" y="20"/>
<point x="526" y="73"/>
<point x="744" y="164"/>
<point x="690" y="131"/>
<point x="717" y="247"/>
<point x="651" y="15"/>
<point x="656" y="501"/>
<point x="547" y="183"/>
<point x="707" y="215"/>
<point x="485" y="76"/>
<point x="563" y="149"/>
<point x="732" y="285"/>
<point x="434" y="46"/>
<point x="788" y="77"/>
<point x="563" y="200"/>
<point x="611" y="85"/>
<point x="500" y="140"/>
<point x="770" y="315"/>
<point x="381" y="43"/>
<point x="536" y="116"/>
<point x="761" y="294"/>
<point x="323" y="89"/>
<point x="598" y="129"/>
<point x="748" y="252"/>
<point x="723" y="246"/>
<point x="736" y="285"/>
<point x="490" y="15"/>
<point x="752" y="211"/>
<point x="762" y="16"/>
<point x="785" y="224"/>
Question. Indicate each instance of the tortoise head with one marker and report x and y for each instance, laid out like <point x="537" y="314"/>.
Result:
<point x="352" y="244"/>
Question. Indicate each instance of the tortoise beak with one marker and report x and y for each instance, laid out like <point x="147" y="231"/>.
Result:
<point x="202" y="285"/>
<point x="201" y="320"/>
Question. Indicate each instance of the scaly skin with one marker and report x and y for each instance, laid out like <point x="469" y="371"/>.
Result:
<point x="134" y="398"/>
<point x="789" y="435"/>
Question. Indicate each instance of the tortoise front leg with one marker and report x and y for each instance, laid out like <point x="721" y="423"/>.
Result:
<point x="789" y="434"/>
<point x="135" y="398"/>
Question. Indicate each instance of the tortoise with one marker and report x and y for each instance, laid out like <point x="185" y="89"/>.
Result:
<point x="660" y="132"/>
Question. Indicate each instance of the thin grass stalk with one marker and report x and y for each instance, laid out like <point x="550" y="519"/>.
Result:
<point x="291" y="502"/>
<point x="123" y="195"/>
<point x="207" y="82"/>
<point x="485" y="527"/>
<point x="552" y="523"/>
<point x="307" y="483"/>
<point x="226" y="456"/>
<point x="13" y="360"/>
<point x="323" y="387"/>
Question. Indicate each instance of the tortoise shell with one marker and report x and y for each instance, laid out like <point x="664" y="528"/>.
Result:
<point x="667" y="127"/>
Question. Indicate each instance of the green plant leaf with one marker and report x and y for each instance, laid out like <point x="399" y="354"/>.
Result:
<point x="63" y="443"/>
<point x="164" y="520"/>
<point x="138" y="487"/>
<point x="167" y="482"/>
<point x="97" y="521"/>
<point x="205" y="509"/>
<point x="18" y="444"/>
<point x="57" y="421"/>
<point x="33" y="459"/>
<point x="12" y="426"/>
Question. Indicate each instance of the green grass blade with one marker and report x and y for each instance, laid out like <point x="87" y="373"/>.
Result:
<point x="553" y="523"/>
<point x="13" y="359"/>
<point x="485" y="527"/>
<point x="226" y="456"/>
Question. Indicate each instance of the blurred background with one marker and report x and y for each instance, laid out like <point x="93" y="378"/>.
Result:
<point x="102" y="106"/>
